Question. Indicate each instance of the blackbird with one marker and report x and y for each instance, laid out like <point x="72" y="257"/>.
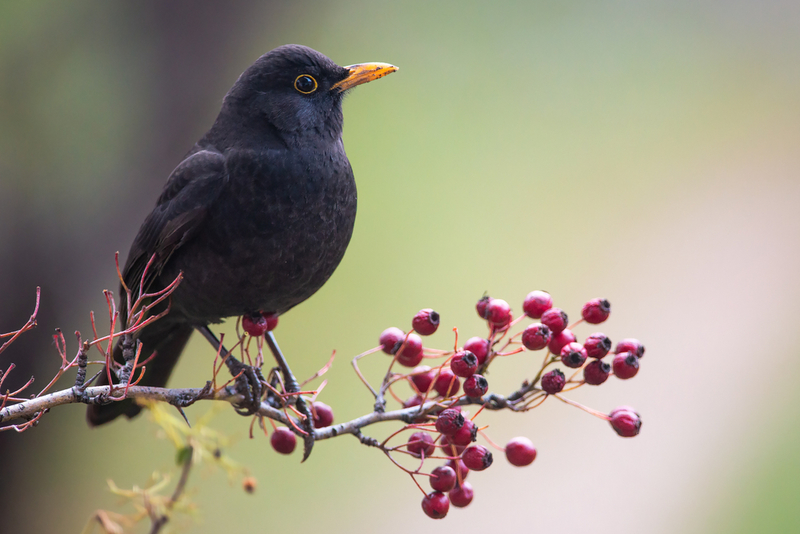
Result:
<point x="258" y="214"/>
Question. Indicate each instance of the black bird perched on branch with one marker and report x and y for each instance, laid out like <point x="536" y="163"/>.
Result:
<point x="258" y="214"/>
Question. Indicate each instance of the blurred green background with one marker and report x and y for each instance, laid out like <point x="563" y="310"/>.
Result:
<point x="646" y="152"/>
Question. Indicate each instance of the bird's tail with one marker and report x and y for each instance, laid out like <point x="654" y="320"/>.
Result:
<point x="167" y="338"/>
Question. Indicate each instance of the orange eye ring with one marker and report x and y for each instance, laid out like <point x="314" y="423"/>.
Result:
<point x="306" y="84"/>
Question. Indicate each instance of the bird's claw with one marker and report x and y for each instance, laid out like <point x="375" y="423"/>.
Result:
<point x="249" y="384"/>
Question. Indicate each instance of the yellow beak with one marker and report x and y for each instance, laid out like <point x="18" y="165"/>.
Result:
<point x="363" y="73"/>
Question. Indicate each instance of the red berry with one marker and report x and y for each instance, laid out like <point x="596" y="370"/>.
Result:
<point x="597" y="345"/>
<point x="419" y="443"/>
<point x="553" y="382"/>
<point x="536" y="303"/>
<point x="477" y="457"/>
<point x="465" y="435"/>
<point x="272" y="320"/>
<point x="626" y="365"/>
<point x="409" y="353"/>
<point x="625" y="421"/>
<point x="573" y="355"/>
<point x="596" y="311"/>
<point x="630" y="345"/>
<point x="481" y="306"/>
<point x="596" y="372"/>
<point x="450" y="448"/>
<point x="323" y="414"/>
<point x="459" y="467"/>
<point x="536" y="336"/>
<point x="555" y="319"/>
<point x="449" y="421"/>
<point x="390" y="339"/>
<point x="476" y="386"/>
<point x="422" y="377"/>
<point x="443" y="479"/>
<point x="520" y="452"/>
<point x="498" y="313"/>
<point x="254" y="324"/>
<point x="558" y="341"/>
<point x="447" y="384"/>
<point x="464" y="364"/>
<point x="461" y="495"/>
<point x="425" y="322"/>
<point x="414" y="400"/>
<point x="436" y="505"/>
<point x="283" y="440"/>
<point x="479" y="347"/>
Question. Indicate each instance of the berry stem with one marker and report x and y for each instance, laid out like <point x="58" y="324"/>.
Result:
<point x="586" y="409"/>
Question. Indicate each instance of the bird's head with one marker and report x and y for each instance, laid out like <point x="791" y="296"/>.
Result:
<point x="297" y="92"/>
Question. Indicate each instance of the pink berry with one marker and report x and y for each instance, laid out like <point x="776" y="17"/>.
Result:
<point x="459" y="467"/>
<point x="435" y="505"/>
<point x="476" y="386"/>
<point x="596" y="372"/>
<point x="421" y="443"/>
<point x="520" y="452"/>
<point x="466" y="434"/>
<point x="596" y="311"/>
<point x="560" y="340"/>
<point x="477" y="457"/>
<point x="323" y="414"/>
<point x="422" y="377"/>
<point x="536" y="303"/>
<point x="630" y="345"/>
<point x="625" y="421"/>
<point x="479" y="347"/>
<point x="425" y="322"/>
<point x="272" y="320"/>
<point x="480" y="307"/>
<point x="536" y="336"/>
<point x="597" y="345"/>
<point x="449" y="421"/>
<point x="254" y="324"/>
<point x="409" y="353"/>
<point x="626" y="365"/>
<point x="447" y="384"/>
<point x="464" y="364"/>
<point x="555" y="319"/>
<point x="443" y="478"/>
<point x="498" y="313"/>
<point x="553" y="382"/>
<point x="283" y="440"/>
<point x="573" y="355"/>
<point x="390" y="339"/>
<point x="461" y="495"/>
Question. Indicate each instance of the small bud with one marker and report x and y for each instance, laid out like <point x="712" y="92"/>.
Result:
<point x="249" y="484"/>
<point x="520" y="452"/>
<point x="425" y="322"/>
<point x="596" y="311"/>
<point x="283" y="440"/>
<point x="596" y="372"/>
<point x="573" y="355"/>
<point x="461" y="496"/>
<point x="625" y="421"/>
<point x="479" y="347"/>
<point x="553" y="382"/>
<point x="443" y="478"/>
<point x="536" y="303"/>
<point x="390" y="340"/>
<point x="449" y="421"/>
<point x="536" y="336"/>
<point x="436" y="505"/>
<point x="476" y="386"/>
<point x="597" y="345"/>
<point x="626" y="365"/>
<point x="464" y="364"/>
<point x="555" y="319"/>
<point x="477" y="457"/>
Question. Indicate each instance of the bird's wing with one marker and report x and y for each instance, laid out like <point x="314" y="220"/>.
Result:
<point x="191" y="189"/>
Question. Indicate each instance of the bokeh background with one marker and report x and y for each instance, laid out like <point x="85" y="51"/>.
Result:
<point x="646" y="152"/>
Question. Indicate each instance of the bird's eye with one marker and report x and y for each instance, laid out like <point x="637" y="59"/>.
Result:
<point x="305" y="83"/>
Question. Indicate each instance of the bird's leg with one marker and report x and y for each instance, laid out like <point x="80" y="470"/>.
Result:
<point x="249" y="381"/>
<point x="292" y="386"/>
